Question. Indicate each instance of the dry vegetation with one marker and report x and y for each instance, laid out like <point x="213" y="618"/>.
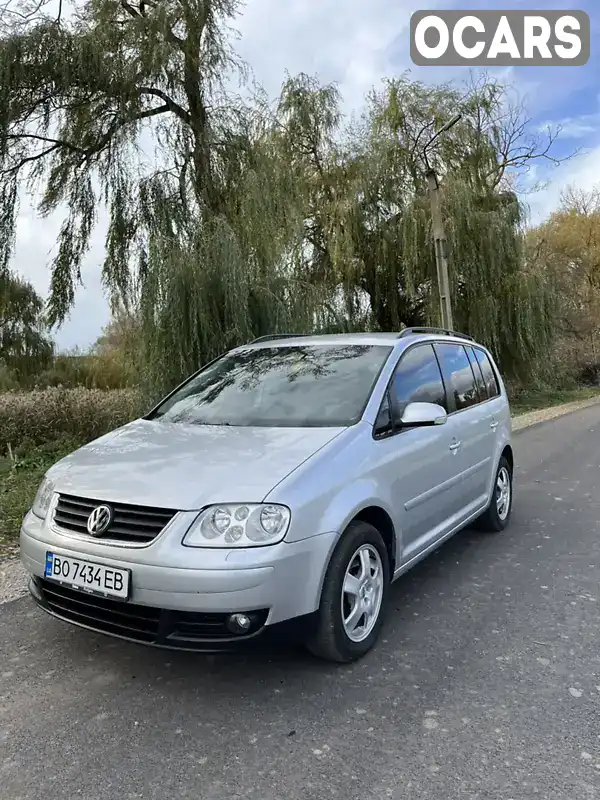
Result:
<point x="38" y="428"/>
<point x="30" y="419"/>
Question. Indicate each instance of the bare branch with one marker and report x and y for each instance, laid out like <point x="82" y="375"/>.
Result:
<point x="58" y="142"/>
<point x="131" y="10"/>
<point x="169" y="102"/>
<point x="26" y="17"/>
<point x="87" y="153"/>
<point x="27" y="159"/>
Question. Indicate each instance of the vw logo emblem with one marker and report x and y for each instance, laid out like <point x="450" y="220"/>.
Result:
<point x="99" y="520"/>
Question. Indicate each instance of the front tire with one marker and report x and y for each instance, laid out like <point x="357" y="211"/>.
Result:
<point x="497" y="516"/>
<point x="354" y="595"/>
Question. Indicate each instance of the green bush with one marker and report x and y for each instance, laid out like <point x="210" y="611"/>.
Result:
<point x="8" y="379"/>
<point x="29" y="419"/>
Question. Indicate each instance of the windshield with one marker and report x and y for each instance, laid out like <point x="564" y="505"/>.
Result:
<point x="304" y="386"/>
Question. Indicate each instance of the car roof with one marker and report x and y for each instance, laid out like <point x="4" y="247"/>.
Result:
<point x="329" y="338"/>
<point x="390" y="339"/>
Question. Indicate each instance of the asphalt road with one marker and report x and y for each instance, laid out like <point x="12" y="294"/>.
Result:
<point x="486" y="683"/>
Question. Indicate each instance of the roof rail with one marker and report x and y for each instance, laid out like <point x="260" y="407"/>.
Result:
<point x="274" y="336"/>
<point x="411" y="331"/>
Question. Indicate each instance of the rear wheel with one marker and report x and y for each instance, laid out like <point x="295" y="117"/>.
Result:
<point x="350" y="615"/>
<point x="497" y="516"/>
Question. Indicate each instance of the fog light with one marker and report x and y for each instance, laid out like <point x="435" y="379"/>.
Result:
<point x="239" y="623"/>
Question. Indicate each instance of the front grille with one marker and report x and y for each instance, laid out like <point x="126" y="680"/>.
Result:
<point x="146" y="624"/>
<point x="133" y="524"/>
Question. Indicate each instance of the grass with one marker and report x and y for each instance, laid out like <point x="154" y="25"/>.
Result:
<point x="19" y="480"/>
<point x="538" y="400"/>
<point x="20" y="476"/>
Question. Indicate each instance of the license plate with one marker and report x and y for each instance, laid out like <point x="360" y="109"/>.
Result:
<point x="89" y="577"/>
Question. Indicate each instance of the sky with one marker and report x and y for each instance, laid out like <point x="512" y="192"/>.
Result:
<point x="357" y="43"/>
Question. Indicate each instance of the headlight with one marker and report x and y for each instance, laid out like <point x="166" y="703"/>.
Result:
<point x="238" y="525"/>
<point x="41" y="504"/>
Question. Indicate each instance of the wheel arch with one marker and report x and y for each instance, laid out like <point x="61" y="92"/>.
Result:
<point x="380" y="519"/>
<point x="508" y="454"/>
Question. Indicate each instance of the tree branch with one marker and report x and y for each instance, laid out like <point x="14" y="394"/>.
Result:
<point x="26" y="17"/>
<point x="116" y="126"/>
<point x="28" y="159"/>
<point x="131" y="10"/>
<point x="47" y="139"/>
<point x="57" y="144"/>
<point x="178" y="110"/>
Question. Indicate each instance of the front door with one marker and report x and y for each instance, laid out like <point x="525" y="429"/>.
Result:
<point x="422" y="464"/>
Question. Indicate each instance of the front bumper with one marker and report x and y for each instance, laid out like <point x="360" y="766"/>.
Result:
<point x="280" y="582"/>
<point x="165" y="628"/>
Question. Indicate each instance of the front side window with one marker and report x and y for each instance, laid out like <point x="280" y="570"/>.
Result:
<point x="296" y="386"/>
<point x="418" y="379"/>
<point x="458" y="375"/>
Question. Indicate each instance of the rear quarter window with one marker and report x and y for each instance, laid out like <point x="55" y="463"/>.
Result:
<point x="489" y="375"/>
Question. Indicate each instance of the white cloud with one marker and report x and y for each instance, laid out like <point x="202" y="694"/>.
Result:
<point x="348" y="42"/>
<point x="35" y="247"/>
<point x="582" y="171"/>
<point x="581" y="126"/>
<point x="578" y="127"/>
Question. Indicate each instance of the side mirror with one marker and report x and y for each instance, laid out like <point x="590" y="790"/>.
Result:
<point x="419" y="415"/>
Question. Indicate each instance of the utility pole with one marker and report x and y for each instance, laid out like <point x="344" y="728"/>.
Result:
<point x="439" y="237"/>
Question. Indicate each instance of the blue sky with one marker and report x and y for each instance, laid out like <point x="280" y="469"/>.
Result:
<point x="356" y="43"/>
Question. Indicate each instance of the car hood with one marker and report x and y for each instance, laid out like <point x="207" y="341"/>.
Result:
<point x="185" y="467"/>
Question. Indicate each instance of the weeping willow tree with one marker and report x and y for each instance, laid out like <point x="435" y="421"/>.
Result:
<point x="25" y="346"/>
<point x="129" y="107"/>
<point x="368" y="221"/>
<point x="223" y="278"/>
<point x="228" y="219"/>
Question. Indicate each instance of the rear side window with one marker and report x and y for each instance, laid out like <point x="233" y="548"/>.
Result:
<point x="480" y="383"/>
<point x="489" y="376"/>
<point x="418" y="379"/>
<point x="458" y="375"/>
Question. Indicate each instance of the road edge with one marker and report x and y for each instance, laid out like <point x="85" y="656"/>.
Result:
<point x="530" y="419"/>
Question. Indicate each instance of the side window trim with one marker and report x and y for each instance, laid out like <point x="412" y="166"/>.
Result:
<point x="477" y="375"/>
<point x="390" y="393"/>
<point x="388" y="396"/>
<point x="450" y="399"/>
<point x="452" y="409"/>
<point x="386" y="399"/>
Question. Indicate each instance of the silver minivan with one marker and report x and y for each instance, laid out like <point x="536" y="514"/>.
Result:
<point x="278" y="491"/>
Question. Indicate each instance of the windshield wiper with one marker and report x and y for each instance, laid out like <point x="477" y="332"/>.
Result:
<point x="213" y="424"/>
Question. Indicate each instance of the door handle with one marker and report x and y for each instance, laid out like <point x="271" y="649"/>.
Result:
<point x="454" y="446"/>
<point x="493" y="425"/>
